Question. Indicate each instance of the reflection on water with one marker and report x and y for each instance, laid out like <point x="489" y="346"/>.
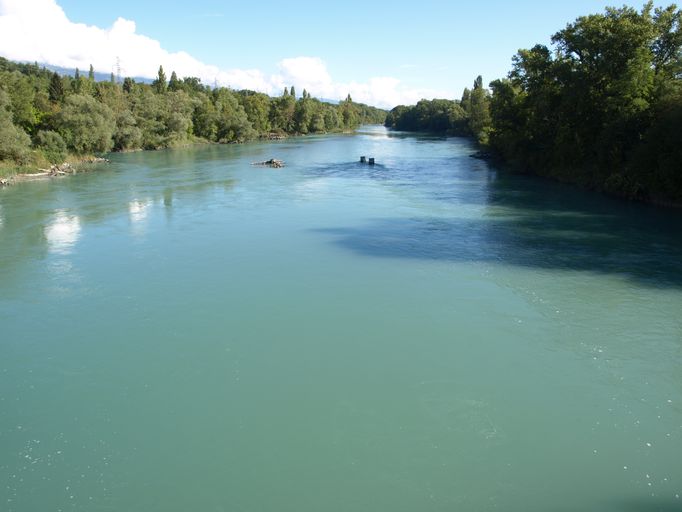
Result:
<point x="2" y="220"/>
<point x="62" y="232"/>
<point x="138" y="212"/>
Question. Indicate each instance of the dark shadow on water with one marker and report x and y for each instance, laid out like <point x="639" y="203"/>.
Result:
<point x="536" y="224"/>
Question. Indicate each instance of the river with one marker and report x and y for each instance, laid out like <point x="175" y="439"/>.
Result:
<point x="180" y="330"/>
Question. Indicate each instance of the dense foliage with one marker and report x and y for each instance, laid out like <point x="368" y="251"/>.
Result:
<point x="602" y="108"/>
<point x="45" y="116"/>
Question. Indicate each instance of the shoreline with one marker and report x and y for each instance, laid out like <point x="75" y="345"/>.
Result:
<point x="74" y="166"/>
<point x="54" y="171"/>
<point x="500" y="164"/>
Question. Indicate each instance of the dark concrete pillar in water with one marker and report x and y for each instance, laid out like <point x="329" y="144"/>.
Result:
<point x="362" y="159"/>
<point x="371" y="161"/>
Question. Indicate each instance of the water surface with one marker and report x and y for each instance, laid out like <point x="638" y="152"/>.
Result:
<point x="183" y="331"/>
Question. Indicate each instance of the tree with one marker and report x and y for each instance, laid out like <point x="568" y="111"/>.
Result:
<point x="86" y="125"/>
<point x="76" y="84"/>
<point x="52" y="146"/>
<point x="349" y="114"/>
<point x="21" y="92"/>
<point x="479" y="111"/>
<point x="128" y="84"/>
<point x="465" y="102"/>
<point x="159" y="84"/>
<point x="56" y="88"/>
<point x="91" y="74"/>
<point x="282" y="113"/>
<point x="257" y="108"/>
<point x="14" y="142"/>
<point x="303" y="114"/>
<point x="438" y="116"/>
<point x="126" y="135"/>
<point x="232" y="121"/>
<point x="597" y="108"/>
<point x="293" y="92"/>
<point x="192" y="85"/>
<point x="174" y="83"/>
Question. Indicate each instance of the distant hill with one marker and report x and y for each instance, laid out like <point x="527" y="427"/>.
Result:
<point x="104" y="77"/>
<point x="99" y="77"/>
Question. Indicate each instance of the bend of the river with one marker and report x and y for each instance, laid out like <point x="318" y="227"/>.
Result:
<point x="183" y="331"/>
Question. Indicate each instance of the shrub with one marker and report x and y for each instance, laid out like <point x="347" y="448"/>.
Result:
<point x="52" y="145"/>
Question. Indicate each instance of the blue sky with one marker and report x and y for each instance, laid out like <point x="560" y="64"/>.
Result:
<point x="386" y="51"/>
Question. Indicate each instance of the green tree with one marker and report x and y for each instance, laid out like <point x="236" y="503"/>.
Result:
<point x="56" y="89"/>
<point x="595" y="110"/>
<point x="205" y="118"/>
<point x="21" y="91"/>
<point x="232" y="122"/>
<point x="86" y="125"/>
<point x="257" y="108"/>
<point x="126" y="135"/>
<point x="282" y="113"/>
<point x="349" y="114"/>
<point x="51" y="145"/>
<point x="303" y="114"/>
<point x="479" y="111"/>
<point x="174" y="83"/>
<point x="128" y="84"/>
<point x="159" y="84"/>
<point x="14" y="142"/>
<point x="76" y="84"/>
<point x="465" y="102"/>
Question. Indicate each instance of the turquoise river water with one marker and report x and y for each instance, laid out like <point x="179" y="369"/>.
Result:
<point x="182" y="331"/>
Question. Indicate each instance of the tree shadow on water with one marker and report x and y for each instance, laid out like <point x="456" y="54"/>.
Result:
<point x="536" y="224"/>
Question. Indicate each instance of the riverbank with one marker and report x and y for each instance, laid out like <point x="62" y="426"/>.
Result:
<point x="30" y="173"/>
<point x="640" y="195"/>
<point x="75" y="164"/>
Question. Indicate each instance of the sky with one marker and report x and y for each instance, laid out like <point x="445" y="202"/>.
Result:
<point x="382" y="53"/>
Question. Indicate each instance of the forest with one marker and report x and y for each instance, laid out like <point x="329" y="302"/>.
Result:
<point x="46" y="117"/>
<point x="601" y="107"/>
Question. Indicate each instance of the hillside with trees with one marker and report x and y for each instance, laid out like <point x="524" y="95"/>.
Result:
<point x="45" y="116"/>
<point x="601" y="108"/>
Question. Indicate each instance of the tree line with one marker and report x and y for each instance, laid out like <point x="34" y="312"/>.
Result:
<point x="45" y="116"/>
<point x="469" y="116"/>
<point x="601" y="108"/>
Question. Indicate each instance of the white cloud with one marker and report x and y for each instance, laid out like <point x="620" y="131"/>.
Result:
<point x="39" y="30"/>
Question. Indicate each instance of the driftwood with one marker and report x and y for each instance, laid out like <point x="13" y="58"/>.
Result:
<point x="276" y="136"/>
<point x="52" y="172"/>
<point x="270" y="163"/>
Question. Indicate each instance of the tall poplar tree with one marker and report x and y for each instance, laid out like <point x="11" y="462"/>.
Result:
<point x="159" y="84"/>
